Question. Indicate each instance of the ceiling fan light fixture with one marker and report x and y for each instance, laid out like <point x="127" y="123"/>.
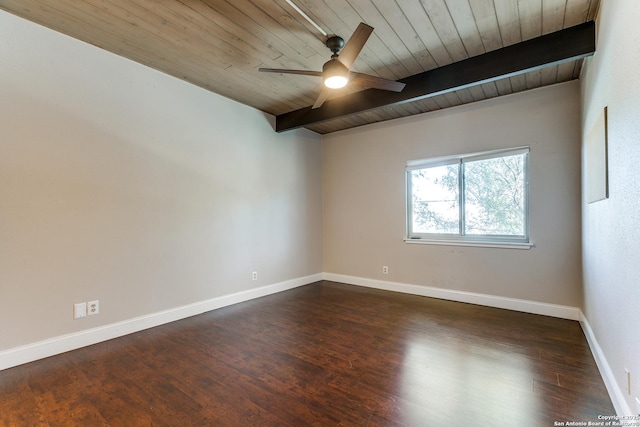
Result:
<point x="336" y="82"/>
<point x="335" y="74"/>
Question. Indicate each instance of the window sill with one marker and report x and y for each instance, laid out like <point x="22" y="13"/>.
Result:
<point x="498" y="245"/>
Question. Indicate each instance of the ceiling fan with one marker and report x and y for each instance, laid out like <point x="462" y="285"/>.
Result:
<point x="336" y="72"/>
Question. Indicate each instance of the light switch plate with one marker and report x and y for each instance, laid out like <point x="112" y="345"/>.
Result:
<point x="80" y="310"/>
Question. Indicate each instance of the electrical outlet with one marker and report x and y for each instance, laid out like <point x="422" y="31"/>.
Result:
<point x="254" y="275"/>
<point x="80" y="310"/>
<point x="93" y="307"/>
<point x="385" y="269"/>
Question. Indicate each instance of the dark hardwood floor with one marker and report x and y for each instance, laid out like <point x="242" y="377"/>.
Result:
<point x="321" y="355"/>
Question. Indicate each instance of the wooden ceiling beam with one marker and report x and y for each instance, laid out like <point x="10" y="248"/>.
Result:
<point x="565" y="45"/>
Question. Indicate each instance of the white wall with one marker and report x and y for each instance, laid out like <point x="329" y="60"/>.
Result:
<point x="125" y="185"/>
<point x="611" y="228"/>
<point x="364" y="198"/>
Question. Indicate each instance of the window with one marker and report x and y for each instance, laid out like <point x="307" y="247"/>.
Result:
<point x="479" y="198"/>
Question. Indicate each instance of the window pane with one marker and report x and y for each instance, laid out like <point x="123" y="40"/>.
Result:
<point x="435" y="200"/>
<point x="494" y="196"/>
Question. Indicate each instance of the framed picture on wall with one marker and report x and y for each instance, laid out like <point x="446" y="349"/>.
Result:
<point x="596" y="146"/>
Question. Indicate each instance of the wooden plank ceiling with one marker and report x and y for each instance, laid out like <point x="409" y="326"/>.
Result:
<point x="219" y="45"/>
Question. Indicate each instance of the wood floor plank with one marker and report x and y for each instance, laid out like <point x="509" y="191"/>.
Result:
<point x="322" y="354"/>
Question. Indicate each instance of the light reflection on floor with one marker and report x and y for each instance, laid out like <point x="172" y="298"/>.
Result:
<point x="474" y="384"/>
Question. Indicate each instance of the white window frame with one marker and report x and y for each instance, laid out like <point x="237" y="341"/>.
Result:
<point x="460" y="239"/>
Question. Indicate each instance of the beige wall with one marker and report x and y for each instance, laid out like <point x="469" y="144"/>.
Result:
<point x="122" y="184"/>
<point x="611" y="227"/>
<point x="364" y="198"/>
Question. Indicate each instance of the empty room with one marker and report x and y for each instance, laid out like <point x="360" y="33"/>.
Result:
<point x="332" y="212"/>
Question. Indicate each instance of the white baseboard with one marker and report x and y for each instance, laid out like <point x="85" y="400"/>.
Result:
<point x="50" y="347"/>
<point x="553" y="310"/>
<point x="615" y="393"/>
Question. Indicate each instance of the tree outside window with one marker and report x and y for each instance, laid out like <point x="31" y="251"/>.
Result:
<point x="475" y="197"/>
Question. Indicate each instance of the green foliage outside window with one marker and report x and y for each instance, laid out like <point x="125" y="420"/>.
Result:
<point x="477" y="197"/>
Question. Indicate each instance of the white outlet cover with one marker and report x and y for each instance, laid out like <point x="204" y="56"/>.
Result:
<point x="93" y="307"/>
<point x="80" y="310"/>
